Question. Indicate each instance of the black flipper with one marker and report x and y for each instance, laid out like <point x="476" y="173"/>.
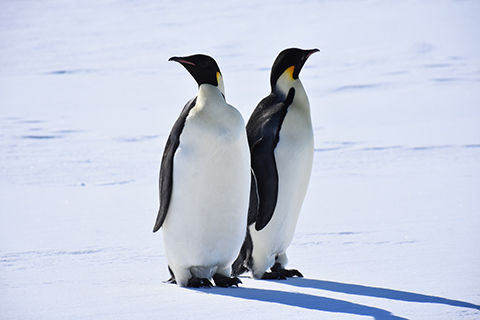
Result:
<point x="166" y="168"/>
<point x="254" y="201"/>
<point x="265" y="167"/>
<point x="263" y="132"/>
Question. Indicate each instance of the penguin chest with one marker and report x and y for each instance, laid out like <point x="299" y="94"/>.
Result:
<point x="206" y="220"/>
<point x="294" y="155"/>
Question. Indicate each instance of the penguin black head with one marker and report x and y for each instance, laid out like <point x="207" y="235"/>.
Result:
<point x="203" y="68"/>
<point x="289" y="60"/>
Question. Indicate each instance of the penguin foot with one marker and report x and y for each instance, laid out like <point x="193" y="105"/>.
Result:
<point x="171" y="280"/>
<point x="273" y="276"/>
<point x="224" y="281"/>
<point x="195" y="282"/>
<point x="289" y="273"/>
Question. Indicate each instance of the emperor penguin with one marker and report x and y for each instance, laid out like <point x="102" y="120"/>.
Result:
<point x="205" y="182"/>
<point x="280" y="137"/>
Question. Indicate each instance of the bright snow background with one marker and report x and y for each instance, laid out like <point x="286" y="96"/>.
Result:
<point x="390" y="225"/>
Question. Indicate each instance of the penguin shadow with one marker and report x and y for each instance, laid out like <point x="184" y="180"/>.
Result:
<point x="314" y="302"/>
<point x="375" y="292"/>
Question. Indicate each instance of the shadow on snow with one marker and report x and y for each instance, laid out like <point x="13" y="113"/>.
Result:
<point x="305" y="301"/>
<point x="377" y="292"/>
<point x="314" y="302"/>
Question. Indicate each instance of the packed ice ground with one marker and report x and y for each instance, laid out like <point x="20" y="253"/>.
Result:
<point x="389" y="227"/>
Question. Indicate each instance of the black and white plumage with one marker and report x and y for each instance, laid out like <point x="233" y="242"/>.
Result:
<point x="280" y="138"/>
<point x="204" y="183"/>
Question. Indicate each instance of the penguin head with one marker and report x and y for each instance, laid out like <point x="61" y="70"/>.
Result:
<point x="203" y="68"/>
<point x="289" y="63"/>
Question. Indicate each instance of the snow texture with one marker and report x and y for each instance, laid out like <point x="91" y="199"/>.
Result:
<point x="389" y="227"/>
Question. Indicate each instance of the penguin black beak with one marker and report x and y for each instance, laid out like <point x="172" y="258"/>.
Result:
<point x="301" y="62"/>
<point x="181" y="60"/>
<point x="310" y="52"/>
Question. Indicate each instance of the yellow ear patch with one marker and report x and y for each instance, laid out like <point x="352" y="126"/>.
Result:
<point x="289" y="72"/>
<point x="220" y="85"/>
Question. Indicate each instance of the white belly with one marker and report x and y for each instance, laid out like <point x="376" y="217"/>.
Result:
<point x="206" y="221"/>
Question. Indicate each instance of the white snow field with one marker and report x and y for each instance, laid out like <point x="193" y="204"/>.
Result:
<point x="390" y="224"/>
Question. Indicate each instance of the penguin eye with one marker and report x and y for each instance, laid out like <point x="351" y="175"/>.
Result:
<point x="203" y="64"/>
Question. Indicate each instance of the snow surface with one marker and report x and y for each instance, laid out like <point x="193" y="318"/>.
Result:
<point x="389" y="227"/>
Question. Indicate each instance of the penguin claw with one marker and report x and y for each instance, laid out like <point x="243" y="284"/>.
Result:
<point x="171" y="281"/>
<point x="199" y="283"/>
<point x="224" y="281"/>
<point x="273" y="276"/>
<point x="289" y="273"/>
<point x="295" y="273"/>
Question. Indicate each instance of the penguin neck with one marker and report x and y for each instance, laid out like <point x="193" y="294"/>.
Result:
<point x="210" y="93"/>
<point x="283" y="85"/>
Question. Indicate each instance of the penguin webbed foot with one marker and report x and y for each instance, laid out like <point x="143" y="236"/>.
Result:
<point x="224" y="281"/>
<point x="288" y="273"/>
<point x="195" y="282"/>
<point x="273" y="276"/>
<point x="171" y="280"/>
